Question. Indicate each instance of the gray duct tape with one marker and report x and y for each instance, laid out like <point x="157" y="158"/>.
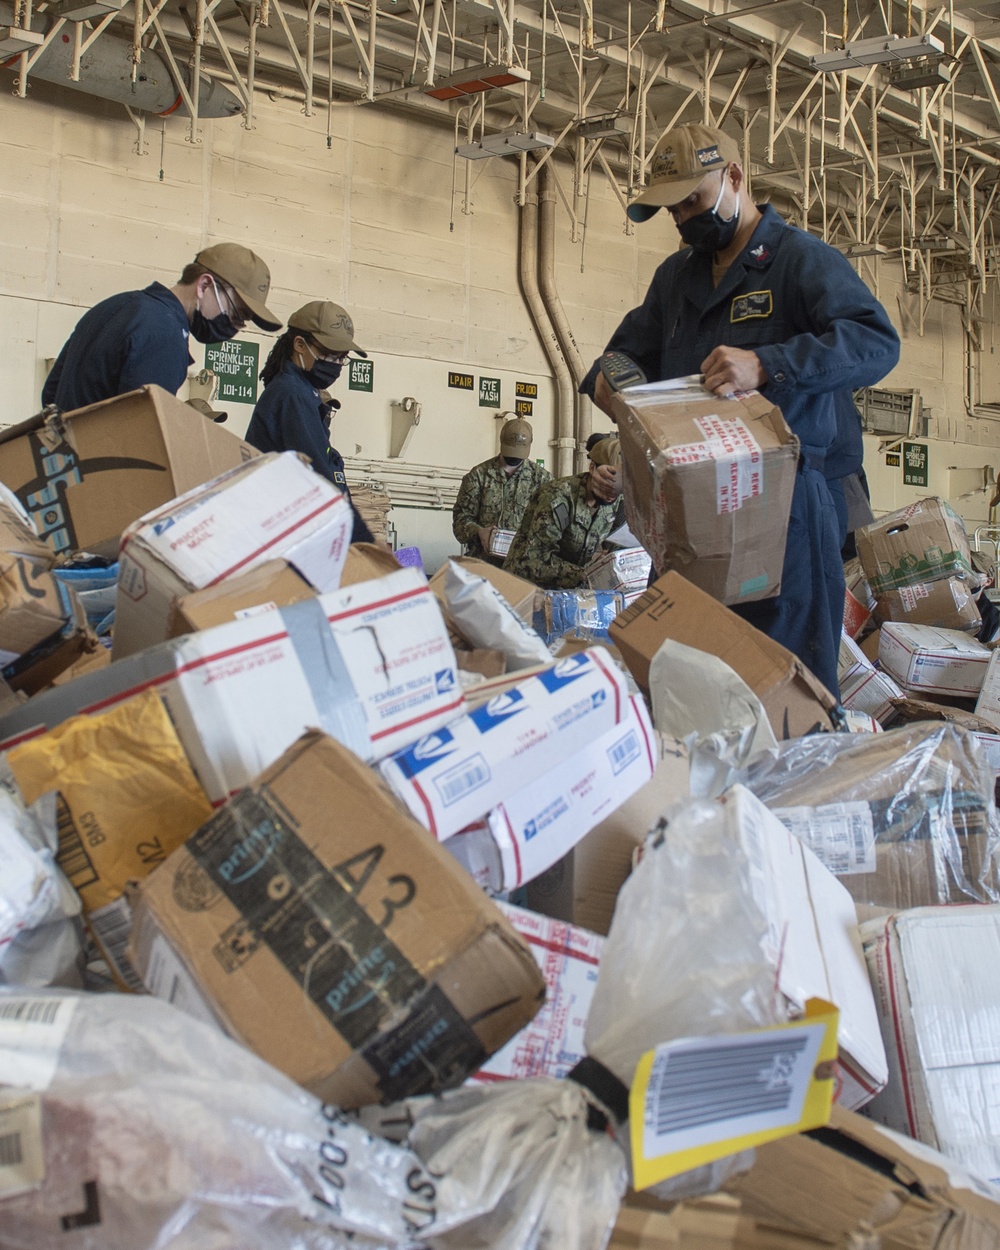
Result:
<point x="341" y="713"/>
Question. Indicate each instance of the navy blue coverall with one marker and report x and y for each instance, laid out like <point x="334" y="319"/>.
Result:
<point x="289" y="416"/>
<point x="138" y="338"/>
<point x="816" y="329"/>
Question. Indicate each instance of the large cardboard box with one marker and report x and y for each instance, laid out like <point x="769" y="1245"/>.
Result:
<point x="795" y="701"/>
<point x="855" y="1184"/>
<point x="17" y="532"/>
<point x="934" y="971"/>
<point x="454" y="776"/>
<point x="708" y="486"/>
<point x="34" y="605"/>
<point x="926" y="659"/>
<point x="335" y="938"/>
<point x="371" y="664"/>
<point x="552" y="1043"/>
<point x="274" y="505"/>
<point x="948" y="603"/>
<point x="84" y="476"/>
<point x="275" y="584"/>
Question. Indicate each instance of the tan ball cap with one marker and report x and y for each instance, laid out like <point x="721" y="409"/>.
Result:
<point x="329" y="324"/>
<point x="247" y="274"/>
<point x="607" y="451"/>
<point x="681" y="159"/>
<point x="515" y="439"/>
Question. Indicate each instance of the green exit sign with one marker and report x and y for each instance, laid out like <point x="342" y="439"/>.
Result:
<point x="234" y="363"/>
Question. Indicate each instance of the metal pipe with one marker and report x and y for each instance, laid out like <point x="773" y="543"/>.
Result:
<point x="528" y="276"/>
<point x="583" y="423"/>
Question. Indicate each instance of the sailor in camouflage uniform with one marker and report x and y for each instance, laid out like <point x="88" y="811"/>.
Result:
<point x="495" y="494"/>
<point x="567" y="521"/>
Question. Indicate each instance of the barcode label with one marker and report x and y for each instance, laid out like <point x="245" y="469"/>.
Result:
<point x="72" y="856"/>
<point x="32" y="1030"/>
<point x="703" y="1090"/>
<point x="624" y="752"/>
<point x="22" y="1166"/>
<point x="457" y="783"/>
<point x="841" y="835"/>
<point x="111" y="926"/>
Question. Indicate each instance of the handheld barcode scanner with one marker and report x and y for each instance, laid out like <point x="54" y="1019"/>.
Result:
<point x="621" y="371"/>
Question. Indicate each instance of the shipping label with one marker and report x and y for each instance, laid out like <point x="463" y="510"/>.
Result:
<point x="841" y="835"/>
<point x="33" y="1028"/>
<point x="22" y="1162"/>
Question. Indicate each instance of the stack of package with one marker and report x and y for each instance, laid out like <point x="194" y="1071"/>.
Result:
<point x="280" y="831"/>
<point x="374" y="506"/>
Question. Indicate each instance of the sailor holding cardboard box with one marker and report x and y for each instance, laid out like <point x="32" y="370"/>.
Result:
<point x="753" y="303"/>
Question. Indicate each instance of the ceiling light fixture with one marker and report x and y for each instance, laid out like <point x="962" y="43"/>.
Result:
<point x="855" y="250"/>
<point x="476" y="79"/>
<point x="910" y="77"/>
<point x="607" y="126"/>
<point x="884" y="50"/>
<point x="84" y="10"/>
<point x="509" y="143"/>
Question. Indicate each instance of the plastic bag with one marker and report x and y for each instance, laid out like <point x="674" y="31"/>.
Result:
<point x="484" y="617"/>
<point x="580" y="615"/>
<point x="905" y="819"/>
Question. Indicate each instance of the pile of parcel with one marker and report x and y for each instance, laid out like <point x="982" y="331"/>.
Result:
<point x="339" y="908"/>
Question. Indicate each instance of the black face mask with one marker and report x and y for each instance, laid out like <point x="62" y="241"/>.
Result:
<point x="323" y="374"/>
<point x="511" y="461"/>
<point x="212" y="330"/>
<point x="708" y="232"/>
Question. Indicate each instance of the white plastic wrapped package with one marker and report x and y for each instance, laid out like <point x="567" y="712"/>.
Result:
<point x="686" y="955"/>
<point x="905" y="819"/>
<point x="40" y="933"/>
<point x="484" y="617"/>
<point x="139" y="1128"/>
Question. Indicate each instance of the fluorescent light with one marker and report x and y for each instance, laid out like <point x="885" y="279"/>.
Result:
<point x="14" y="40"/>
<point x="914" y="76"/>
<point x="605" y="127"/>
<point x="935" y="243"/>
<point x="884" y="50"/>
<point x="855" y="250"/>
<point x="477" y="78"/>
<point x="506" y="144"/>
<point x="84" y="10"/>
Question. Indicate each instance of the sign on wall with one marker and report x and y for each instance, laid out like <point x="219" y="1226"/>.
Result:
<point x="235" y="364"/>
<point x="361" y="376"/>
<point x="461" y="381"/>
<point x="527" y="390"/>
<point x="489" y="392"/>
<point x="523" y="407"/>
<point x="915" y="464"/>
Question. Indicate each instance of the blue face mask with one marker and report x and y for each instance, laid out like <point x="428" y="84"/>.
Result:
<point x="707" y="231"/>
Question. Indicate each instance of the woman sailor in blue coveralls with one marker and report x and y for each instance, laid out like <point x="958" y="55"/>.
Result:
<point x="291" y="415"/>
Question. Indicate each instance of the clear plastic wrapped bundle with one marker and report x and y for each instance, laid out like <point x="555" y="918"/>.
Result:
<point x="905" y="819"/>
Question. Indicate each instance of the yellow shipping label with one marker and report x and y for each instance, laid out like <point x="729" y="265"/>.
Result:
<point x="699" y="1099"/>
<point x="127" y="795"/>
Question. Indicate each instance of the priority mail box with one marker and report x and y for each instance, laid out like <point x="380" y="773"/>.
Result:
<point x="538" y="824"/>
<point x="934" y="971"/>
<point x="864" y="688"/>
<point x="370" y="664"/>
<point x="376" y="971"/>
<point x="84" y="476"/>
<point x="796" y="702"/>
<point x="708" y="486"/>
<point x="924" y="658"/>
<point x="450" y="778"/>
<point x="627" y="569"/>
<point x="275" y="505"/>
<point x="552" y="1043"/>
<point x="988" y="701"/>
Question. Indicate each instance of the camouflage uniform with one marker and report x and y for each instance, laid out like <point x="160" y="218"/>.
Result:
<point x="488" y="496"/>
<point x="560" y="535"/>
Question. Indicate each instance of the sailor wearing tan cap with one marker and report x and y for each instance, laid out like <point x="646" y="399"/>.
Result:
<point x="494" y="495"/>
<point x="291" y="414"/>
<point x="140" y="338"/>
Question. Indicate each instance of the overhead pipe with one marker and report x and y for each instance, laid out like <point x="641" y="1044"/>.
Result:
<point x="583" y="419"/>
<point x="564" y="442"/>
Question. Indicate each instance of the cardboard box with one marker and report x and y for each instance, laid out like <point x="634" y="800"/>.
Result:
<point x="925" y="658"/>
<point x="17" y="533"/>
<point x="603" y="858"/>
<point x="552" y="1043"/>
<point x="948" y="603"/>
<point x="34" y="605"/>
<point x="275" y="584"/>
<point x="855" y="1184"/>
<point x="923" y="542"/>
<point x="714" y="1223"/>
<point x="84" y="476"/>
<point x="454" y="776"/>
<point x="796" y="702"/>
<point x="863" y="687"/>
<point x="869" y="645"/>
<point x="370" y="663"/>
<point x="377" y="971"/>
<point x="934" y="971"/>
<point x="500" y="542"/>
<point x="856" y="615"/>
<point x="274" y="505"/>
<point x="627" y="569"/>
<point x="539" y="823"/>
<point x="988" y="700"/>
<point x="708" y="487"/>
<point x="520" y="594"/>
<point x="39" y="667"/>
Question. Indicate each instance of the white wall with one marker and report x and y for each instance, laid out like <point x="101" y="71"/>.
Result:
<point x="370" y="223"/>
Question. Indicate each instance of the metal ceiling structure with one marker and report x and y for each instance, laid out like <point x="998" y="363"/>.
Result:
<point x="865" y="157"/>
